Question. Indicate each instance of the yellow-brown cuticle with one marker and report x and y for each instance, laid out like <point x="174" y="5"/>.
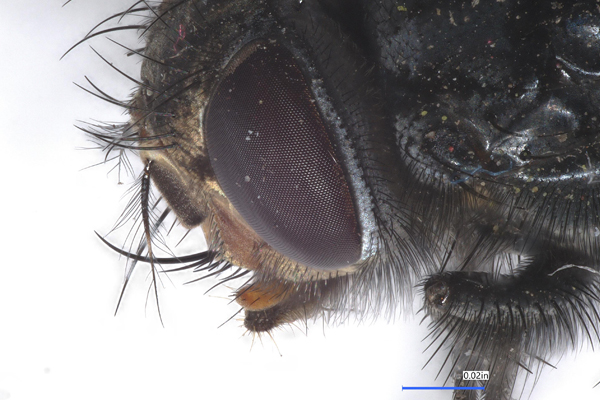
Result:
<point x="260" y="296"/>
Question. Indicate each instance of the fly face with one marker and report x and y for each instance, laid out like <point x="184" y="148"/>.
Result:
<point x="274" y="138"/>
<point x="345" y="151"/>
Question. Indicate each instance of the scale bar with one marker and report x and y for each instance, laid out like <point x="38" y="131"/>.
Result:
<point x="443" y="387"/>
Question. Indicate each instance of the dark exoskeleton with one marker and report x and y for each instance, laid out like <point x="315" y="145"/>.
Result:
<point x="348" y="152"/>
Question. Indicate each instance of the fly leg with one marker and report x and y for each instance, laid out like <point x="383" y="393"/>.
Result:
<point x="503" y="323"/>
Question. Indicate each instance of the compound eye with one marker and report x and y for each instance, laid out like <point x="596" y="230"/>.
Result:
<point x="274" y="159"/>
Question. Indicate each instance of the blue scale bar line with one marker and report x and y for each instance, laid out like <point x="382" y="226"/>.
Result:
<point x="443" y="388"/>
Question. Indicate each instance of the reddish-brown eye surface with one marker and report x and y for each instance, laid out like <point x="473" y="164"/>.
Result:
<point x="275" y="161"/>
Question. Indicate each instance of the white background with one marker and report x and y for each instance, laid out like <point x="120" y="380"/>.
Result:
<point x="59" y="285"/>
